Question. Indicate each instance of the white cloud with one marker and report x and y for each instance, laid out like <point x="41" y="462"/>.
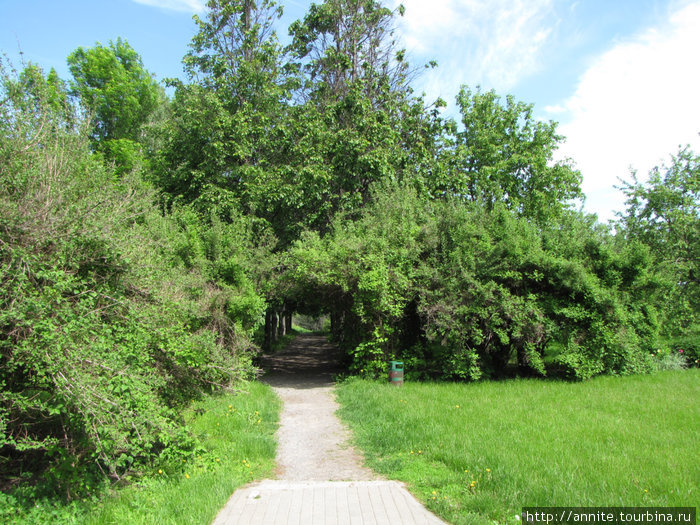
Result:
<point x="494" y="43"/>
<point x="555" y="109"/>
<point x="634" y="106"/>
<point x="188" y="6"/>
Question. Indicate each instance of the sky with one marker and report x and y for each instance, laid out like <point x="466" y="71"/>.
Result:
<point x="621" y="77"/>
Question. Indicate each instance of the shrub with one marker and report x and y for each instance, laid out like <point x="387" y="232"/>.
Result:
<point x="461" y="292"/>
<point x="110" y="320"/>
<point x="670" y="361"/>
<point x="688" y="348"/>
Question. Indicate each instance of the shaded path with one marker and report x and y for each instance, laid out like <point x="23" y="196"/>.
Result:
<point x="312" y="442"/>
<point x="308" y="361"/>
<point x="321" y="479"/>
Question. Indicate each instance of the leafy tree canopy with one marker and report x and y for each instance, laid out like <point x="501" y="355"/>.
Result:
<point x="503" y="154"/>
<point x="664" y="214"/>
<point x="112" y="83"/>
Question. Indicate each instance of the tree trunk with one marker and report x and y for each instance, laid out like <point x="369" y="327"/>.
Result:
<point x="281" y="329"/>
<point x="273" y="326"/>
<point x="270" y="332"/>
<point x="337" y="324"/>
<point x="247" y="25"/>
<point x="288" y="320"/>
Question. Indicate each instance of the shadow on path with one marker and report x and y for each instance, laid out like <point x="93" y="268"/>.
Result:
<point x="309" y="361"/>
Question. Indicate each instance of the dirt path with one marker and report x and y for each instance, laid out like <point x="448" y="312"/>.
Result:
<point x="321" y="480"/>
<point x="312" y="442"/>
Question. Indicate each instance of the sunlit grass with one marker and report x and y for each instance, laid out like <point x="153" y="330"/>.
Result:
<point x="237" y="432"/>
<point x="480" y="452"/>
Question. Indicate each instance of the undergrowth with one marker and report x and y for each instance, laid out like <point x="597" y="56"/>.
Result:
<point x="235" y="445"/>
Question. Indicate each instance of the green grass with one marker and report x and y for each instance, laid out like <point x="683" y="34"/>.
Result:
<point x="478" y="453"/>
<point x="237" y="434"/>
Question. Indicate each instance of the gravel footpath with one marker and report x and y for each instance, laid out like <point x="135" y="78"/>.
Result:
<point x="312" y="442"/>
<point x="320" y="477"/>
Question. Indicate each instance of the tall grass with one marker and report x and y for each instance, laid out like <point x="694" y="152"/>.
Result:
<point x="478" y="453"/>
<point x="236" y="432"/>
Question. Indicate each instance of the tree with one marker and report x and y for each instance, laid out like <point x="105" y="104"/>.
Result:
<point x="503" y="154"/>
<point x="220" y="138"/>
<point x="236" y="35"/>
<point x="342" y="42"/>
<point x="664" y="214"/>
<point x="368" y="128"/>
<point x="236" y="138"/>
<point x="36" y="93"/>
<point x="227" y="135"/>
<point x="113" y="84"/>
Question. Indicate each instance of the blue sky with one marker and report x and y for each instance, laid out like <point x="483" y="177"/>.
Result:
<point x="620" y="76"/>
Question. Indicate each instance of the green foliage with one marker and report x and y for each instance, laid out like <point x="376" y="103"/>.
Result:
<point x="687" y="347"/>
<point x="474" y="296"/>
<point x="664" y="214"/>
<point x="113" y="84"/>
<point x="235" y="444"/>
<point x="124" y="101"/>
<point x="503" y="154"/>
<point x="344" y="44"/>
<point x="112" y="316"/>
<point x="363" y="270"/>
<point x="235" y="48"/>
<point x="230" y="142"/>
<point x="461" y="293"/>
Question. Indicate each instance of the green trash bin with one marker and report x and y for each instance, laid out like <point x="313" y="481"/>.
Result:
<point x="396" y="373"/>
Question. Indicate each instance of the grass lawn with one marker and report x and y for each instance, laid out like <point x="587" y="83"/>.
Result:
<point x="238" y="438"/>
<point x="237" y="434"/>
<point x="479" y="452"/>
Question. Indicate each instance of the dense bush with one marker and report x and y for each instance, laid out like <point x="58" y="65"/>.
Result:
<point x="460" y="292"/>
<point x="111" y="314"/>
<point x="687" y="347"/>
<point x="501" y="290"/>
